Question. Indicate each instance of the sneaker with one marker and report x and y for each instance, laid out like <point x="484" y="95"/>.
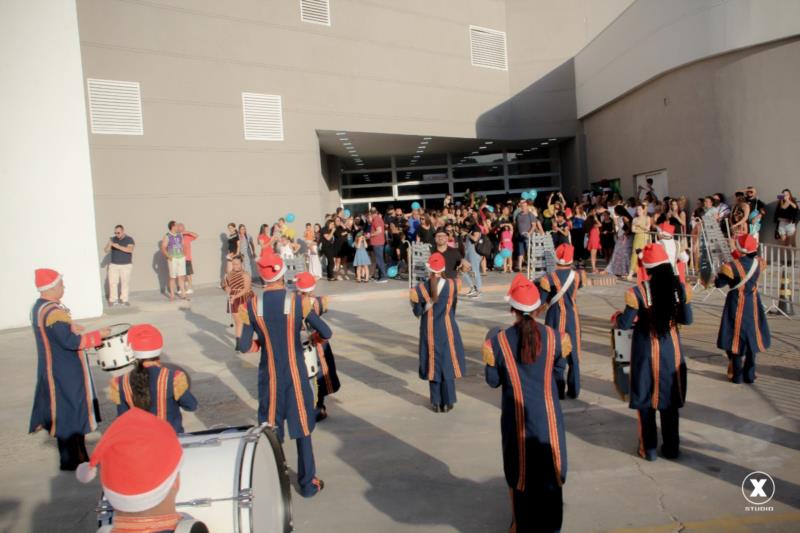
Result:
<point x="126" y="304"/>
<point x="473" y="292"/>
<point x="382" y="280"/>
<point x="189" y="291"/>
<point x="112" y="304"/>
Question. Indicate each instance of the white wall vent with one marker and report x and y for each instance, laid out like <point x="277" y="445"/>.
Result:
<point x="263" y="117"/>
<point x="316" y="11"/>
<point x="488" y="48"/>
<point x="115" y="107"/>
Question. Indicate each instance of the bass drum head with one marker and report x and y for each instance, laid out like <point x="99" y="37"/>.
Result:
<point x="117" y="329"/>
<point x="269" y="479"/>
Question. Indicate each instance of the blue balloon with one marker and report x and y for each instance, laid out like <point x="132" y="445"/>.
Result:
<point x="415" y="205"/>
<point x="533" y="194"/>
<point x="290" y="217"/>
<point x="525" y="195"/>
<point x="391" y="271"/>
<point x="347" y="213"/>
<point x="505" y="252"/>
<point x="499" y="260"/>
<point x="490" y="208"/>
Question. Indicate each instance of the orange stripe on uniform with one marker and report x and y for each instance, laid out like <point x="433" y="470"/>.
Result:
<point x="296" y="381"/>
<point x="759" y="339"/>
<point x="48" y="358"/>
<point x="552" y="421"/>
<point x="655" y="365"/>
<point x="676" y="347"/>
<point x="431" y="343"/>
<point x="519" y="404"/>
<point x="737" y="324"/>
<point x="451" y="342"/>
<point x="163" y="379"/>
<point x="273" y="394"/>
<point x="126" y="389"/>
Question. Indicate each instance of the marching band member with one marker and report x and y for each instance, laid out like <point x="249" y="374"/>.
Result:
<point x="560" y="289"/>
<point x="276" y="316"/>
<point x="654" y="309"/>
<point x="150" y="386"/>
<point x="666" y="238"/>
<point x="64" y="402"/>
<point x="525" y="359"/>
<point x="441" y="353"/>
<point x="327" y="379"/>
<point x="743" y="330"/>
<point x="140" y="459"/>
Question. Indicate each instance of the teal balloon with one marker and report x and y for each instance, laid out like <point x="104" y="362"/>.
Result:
<point x="391" y="271"/>
<point x="499" y="260"/>
<point x="415" y="205"/>
<point x="533" y="194"/>
<point x="290" y="217"/>
<point x="490" y="208"/>
<point x="526" y="195"/>
<point x="506" y="253"/>
<point x="347" y="213"/>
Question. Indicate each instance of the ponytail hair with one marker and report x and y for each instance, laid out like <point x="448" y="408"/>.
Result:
<point x="530" y="341"/>
<point x="434" y="287"/>
<point x="140" y="386"/>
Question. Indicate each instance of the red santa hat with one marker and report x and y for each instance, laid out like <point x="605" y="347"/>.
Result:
<point x="140" y="456"/>
<point x="653" y="255"/>
<point x="46" y="278"/>
<point x="564" y="254"/>
<point x="436" y="263"/>
<point x="271" y="267"/>
<point x="665" y="229"/>
<point x="145" y="341"/>
<point x="305" y="282"/>
<point x="746" y="244"/>
<point x="523" y="294"/>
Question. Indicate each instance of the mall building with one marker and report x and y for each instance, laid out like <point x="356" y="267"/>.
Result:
<point x="137" y="112"/>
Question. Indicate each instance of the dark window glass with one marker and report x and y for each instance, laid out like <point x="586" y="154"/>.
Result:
<point x="422" y="189"/>
<point x="471" y="158"/>
<point x="537" y="167"/>
<point x="366" y="192"/>
<point x="533" y="183"/>
<point x="478" y="172"/>
<point x="421" y="161"/>
<point x="366" y="178"/>
<point x="479" y="186"/>
<point x="427" y="175"/>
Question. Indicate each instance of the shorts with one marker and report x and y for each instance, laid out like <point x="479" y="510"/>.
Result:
<point x="522" y="245"/>
<point x="786" y="229"/>
<point x="177" y="267"/>
<point x="189" y="269"/>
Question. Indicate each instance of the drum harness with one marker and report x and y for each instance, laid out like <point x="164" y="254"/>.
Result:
<point x="564" y="288"/>
<point x="750" y="274"/>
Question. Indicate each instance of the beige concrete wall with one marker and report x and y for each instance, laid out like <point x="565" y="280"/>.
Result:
<point x="383" y="66"/>
<point x="716" y="125"/>
<point x="656" y="36"/>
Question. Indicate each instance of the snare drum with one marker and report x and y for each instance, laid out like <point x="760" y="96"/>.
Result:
<point x="115" y="352"/>
<point x="621" y="342"/>
<point x="311" y="359"/>
<point x="232" y="479"/>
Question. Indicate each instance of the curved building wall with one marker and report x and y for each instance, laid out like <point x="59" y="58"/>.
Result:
<point x="652" y="37"/>
<point x="715" y="125"/>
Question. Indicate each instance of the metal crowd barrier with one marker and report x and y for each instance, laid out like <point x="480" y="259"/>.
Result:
<point x="778" y="283"/>
<point x="691" y="245"/>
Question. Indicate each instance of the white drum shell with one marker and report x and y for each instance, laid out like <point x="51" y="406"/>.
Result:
<point x="623" y="340"/>
<point x="114" y="353"/>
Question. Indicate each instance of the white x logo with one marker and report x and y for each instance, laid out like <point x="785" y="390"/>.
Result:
<point x="758" y="488"/>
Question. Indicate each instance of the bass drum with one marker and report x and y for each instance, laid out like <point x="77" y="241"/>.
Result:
<point x="237" y="474"/>
<point x="621" y="342"/>
<point x="232" y="479"/>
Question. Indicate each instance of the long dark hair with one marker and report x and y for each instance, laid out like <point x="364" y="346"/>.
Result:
<point x="530" y="341"/>
<point x="140" y="386"/>
<point x="666" y="300"/>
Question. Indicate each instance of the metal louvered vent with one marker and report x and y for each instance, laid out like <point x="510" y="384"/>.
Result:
<point x="115" y="107"/>
<point x="316" y="11"/>
<point x="488" y="48"/>
<point x="263" y="117"/>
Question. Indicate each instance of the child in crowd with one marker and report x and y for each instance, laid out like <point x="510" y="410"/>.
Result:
<point x="361" y="261"/>
<point x="507" y="243"/>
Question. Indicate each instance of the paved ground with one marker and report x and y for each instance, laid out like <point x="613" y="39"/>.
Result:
<point x="391" y="465"/>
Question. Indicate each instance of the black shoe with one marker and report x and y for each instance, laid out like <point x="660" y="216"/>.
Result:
<point x="561" y="386"/>
<point x="435" y="408"/>
<point x="447" y="408"/>
<point x="670" y="454"/>
<point x="322" y="414"/>
<point x="571" y="395"/>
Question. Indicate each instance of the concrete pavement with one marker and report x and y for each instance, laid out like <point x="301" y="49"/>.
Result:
<point x="392" y="465"/>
